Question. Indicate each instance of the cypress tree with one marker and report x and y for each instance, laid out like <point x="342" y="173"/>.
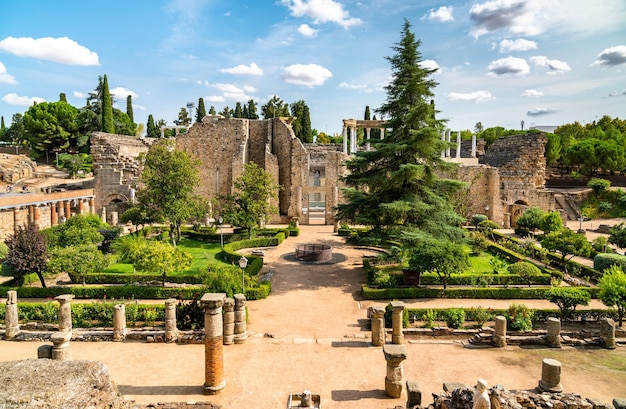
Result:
<point x="252" y="114"/>
<point x="62" y="97"/>
<point x="212" y="110"/>
<point x="367" y="113"/>
<point x="129" y="108"/>
<point x="108" y="125"/>
<point x="201" y="111"/>
<point x="151" y="129"/>
<point x="306" y="125"/>
<point x="2" y="123"/>
<point x="395" y="186"/>
<point x="238" y="111"/>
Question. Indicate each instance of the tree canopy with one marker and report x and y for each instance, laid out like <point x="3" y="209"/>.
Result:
<point x="612" y="287"/>
<point x="28" y="252"/>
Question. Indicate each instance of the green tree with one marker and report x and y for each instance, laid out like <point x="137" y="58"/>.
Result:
<point x="251" y="205"/>
<point x="275" y="107"/>
<point x="77" y="230"/>
<point x="168" y="179"/>
<point x="151" y="129"/>
<point x="567" y="299"/>
<point x="226" y="112"/>
<point x="567" y="243"/>
<point x="78" y="261"/>
<point x="73" y="162"/>
<point x="302" y="123"/>
<point x="612" y="287"/>
<point x="527" y="271"/>
<point x="551" y="221"/>
<point x="367" y="114"/>
<point x="163" y="258"/>
<point x="28" y="252"/>
<point x="108" y="125"/>
<point x="396" y="183"/>
<point x="62" y="97"/>
<point x="183" y="117"/>
<point x="252" y="110"/>
<point x="201" y="111"/>
<point x="212" y="110"/>
<point x="50" y="126"/>
<point x="553" y="149"/>
<point x="129" y="108"/>
<point x="15" y="132"/>
<point x="530" y="220"/>
<point x="238" y="110"/>
<point x="440" y="256"/>
<point x="598" y="186"/>
<point x="618" y="235"/>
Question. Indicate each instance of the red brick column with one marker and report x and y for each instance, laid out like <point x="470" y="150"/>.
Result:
<point x="67" y="209"/>
<point x="92" y="205"/>
<point x="213" y="343"/>
<point x="53" y="214"/>
<point x="81" y="206"/>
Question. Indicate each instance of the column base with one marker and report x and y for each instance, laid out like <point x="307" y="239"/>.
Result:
<point x="550" y="388"/>
<point x="213" y="390"/>
<point x="393" y="389"/>
<point x="241" y="338"/>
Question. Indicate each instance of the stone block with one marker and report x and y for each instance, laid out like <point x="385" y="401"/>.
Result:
<point x="44" y="351"/>
<point x="451" y="386"/>
<point x="413" y="394"/>
<point x="393" y="389"/>
<point x="619" y="403"/>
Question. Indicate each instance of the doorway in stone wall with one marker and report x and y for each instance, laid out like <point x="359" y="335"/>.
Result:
<point x="317" y="208"/>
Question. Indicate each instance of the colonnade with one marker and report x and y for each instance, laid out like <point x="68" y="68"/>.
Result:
<point x="59" y="211"/>
<point x="349" y="130"/>
<point x="446" y="137"/>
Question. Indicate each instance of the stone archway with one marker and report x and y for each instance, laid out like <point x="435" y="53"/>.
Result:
<point x="517" y="208"/>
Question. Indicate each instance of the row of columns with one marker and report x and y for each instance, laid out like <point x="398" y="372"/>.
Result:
<point x="446" y="137"/>
<point x="350" y="131"/>
<point x="59" y="211"/>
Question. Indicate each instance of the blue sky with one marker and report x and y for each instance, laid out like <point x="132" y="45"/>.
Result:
<point x="500" y="61"/>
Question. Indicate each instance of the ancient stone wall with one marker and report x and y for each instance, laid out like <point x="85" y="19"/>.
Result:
<point x="16" y="167"/>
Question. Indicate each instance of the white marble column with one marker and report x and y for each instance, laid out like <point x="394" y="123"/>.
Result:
<point x="367" y="137"/>
<point x="473" y="146"/>
<point x="345" y="140"/>
<point x="458" y="144"/>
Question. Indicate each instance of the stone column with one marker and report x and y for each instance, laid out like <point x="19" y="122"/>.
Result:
<point x="397" y="337"/>
<point x="448" y="140"/>
<point x="92" y="205"/>
<point x="103" y="216"/>
<point x="344" y="133"/>
<point x="443" y="138"/>
<point x="241" y="332"/>
<point x="229" y="321"/>
<point x="367" y="138"/>
<point x="81" y="206"/>
<point x="119" y="322"/>
<point x="499" y="335"/>
<point x="171" y="332"/>
<point x="458" y="144"/>
<point x="53" y="215"/>
<point x="11" y="316"/>
<point x="68" y="209"/>
<point x="382" y="133"/>
<point x="607" y="333"/>
<point x="353" y="140"/>
<point x="213" y="343"/>
<point x="61" y="339"/>
<point x="550" y="376"/>
<point x="394" y="355"/>
<point x="553" y="336"/>
<point x="378" y="326"/>
<point x="473" y="146"/>
<point x="114" y="219"/>
<point x="36" y="216"/>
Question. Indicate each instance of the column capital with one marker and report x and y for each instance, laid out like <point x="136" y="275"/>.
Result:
<point x="212" y="301"/>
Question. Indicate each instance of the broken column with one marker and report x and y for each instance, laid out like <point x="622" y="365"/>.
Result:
<point x="213" y="343"/>
<point x="553" y="335"/>
<point x="119" y="322"/>
<point x="61" y="339"/>
<point x="378" y="326"/>
<point x="550" y="376"/>
<point x="11" y="316"/>
<point x="607" y="333"/>
<point x="241" y="332"/>
<point x="229" y="321"/>
<point x="171" y="332"/>
<point x="394" y="355"/>
<point x="397" y="336"/>
<point x="413" y="395"/>
<point x="499" y="335"/>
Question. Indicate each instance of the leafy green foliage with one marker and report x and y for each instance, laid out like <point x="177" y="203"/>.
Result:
<point x="77" y="230"/>
<point x="108" y="124"/>
<point x="28" y="252"/>
<point x="74" y="163"/>
<point x="223" y="279"/>
<point x="477" y="218"/>
<point x="78" y="260"/>
<point x="567" y="299"/>
<point x="526" y="270"/>
<point x="551" y="221"/>
<point x="4" y="250"/>
<point x="618" y="235"/>
<point x="519" y="317"/>
<point x="440" y="256"/>
<point x="50" y="126"/>
<point x="612" y="286"/>
<point x="567" y="243"/>
<point x="455" y="317"/>
<point x="530" y="219"/>
<point x="163" y="258"/>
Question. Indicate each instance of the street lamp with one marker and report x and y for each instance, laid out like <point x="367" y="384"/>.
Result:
<point x="221" y="221"/>
<point x="580" y="226"/>
<point x="243" y="263"/>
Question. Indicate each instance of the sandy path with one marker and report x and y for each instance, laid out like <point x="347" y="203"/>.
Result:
<point x="319" y="343"/>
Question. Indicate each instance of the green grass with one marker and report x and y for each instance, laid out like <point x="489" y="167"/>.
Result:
<point x="204" y="254"/>
<point x="480" y="264"/>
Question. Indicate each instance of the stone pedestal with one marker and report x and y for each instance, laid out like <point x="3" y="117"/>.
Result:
<point x="11" y="316"/>
<point x="229" y="321"/>
<point x="213" y="343"/>
<point x="413" y="394"/>
<point x="241" y="332"/>
<point x="61" y="345"/>
<point x="499" y="335"/>
<point x="550" y="376"/>
<point x="378" y="326"/>
<point x="397" y="337"/>
<point x="44" y="351"/>
<point x="394" y="355"/>
<point x="119" y="322"/>
<point x="607" y="333"/>
<point x="553" y="336"/>
<point x="65" y="312"/>
<point x="171" y="332"/>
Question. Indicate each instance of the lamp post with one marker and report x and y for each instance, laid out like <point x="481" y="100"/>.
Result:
<point x="220" y="220"/>
<point x="243" y="263"/>
<point x="580" y="226"/>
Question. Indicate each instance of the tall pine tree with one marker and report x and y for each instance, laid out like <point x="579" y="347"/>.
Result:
<point x="394" y="185"/>
<point x="201" y="111"/>
<point x="252" y="114"/>
<point x="108" y="125"/>
<point x="151" y="129"/>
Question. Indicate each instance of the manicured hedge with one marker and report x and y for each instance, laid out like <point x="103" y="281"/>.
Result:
<point x="477" y="293"/>
<point x="539" y="315"/>
<point x="602" y="261"/>
<point x="100" y="292"/>
<point x="129" y="279"/>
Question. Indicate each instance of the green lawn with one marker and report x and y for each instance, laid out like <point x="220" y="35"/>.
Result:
<point x="203" y="255"/>
<point x="481" y="264"/>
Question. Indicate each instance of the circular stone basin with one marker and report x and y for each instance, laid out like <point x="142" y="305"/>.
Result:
<point x="314" y="252"/>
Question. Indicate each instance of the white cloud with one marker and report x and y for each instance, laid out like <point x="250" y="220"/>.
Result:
<point x="611" y="56"/>
<point x="140" y="107"/>
<point x="243" y="69"/>
<point x="541" y="111"/>
<point x="617" y="93"/>
<point x="14" y="99"/>
<point x="307" y="31"/>
<point x="516" y="45"/>
<point x="214" y="98"/>
<point x="554" y="66"/>
<point x="322" y="11"/>
<point x="79" y="94"/>
<point x="508" y="65"/>
<point x="532" y="93"/>
<point x="431" y="65"/>
<point x="476" y="96"/>
<point x="121" y="93"/>
<point x="517" y="17"/>
<point x="227" y="88"/>
<point x="309" y="75"/>
<point x="442" y="14"/>
<point x="5" y="77"/>
<point x="61" y="50"/>
<point x="352" y="85"/>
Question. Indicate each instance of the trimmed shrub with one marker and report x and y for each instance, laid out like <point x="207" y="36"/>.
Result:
<point x="525" y="270"/>
<point x="455" y="317"/>
<point x="519" y="318"/>
<point x="603" y="261"/>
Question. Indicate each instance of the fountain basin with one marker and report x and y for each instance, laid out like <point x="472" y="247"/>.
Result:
<point x="314" y="252"/>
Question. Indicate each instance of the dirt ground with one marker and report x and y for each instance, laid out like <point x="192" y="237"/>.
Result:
<point x="311" y="334"/>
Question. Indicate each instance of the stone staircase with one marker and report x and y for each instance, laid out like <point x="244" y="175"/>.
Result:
<point x="568" y="207"/>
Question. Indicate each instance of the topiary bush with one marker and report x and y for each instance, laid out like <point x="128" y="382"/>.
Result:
<point x="525" y="270"/>
<point x="603" y="261"/>
<point x="455" y="317"/>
